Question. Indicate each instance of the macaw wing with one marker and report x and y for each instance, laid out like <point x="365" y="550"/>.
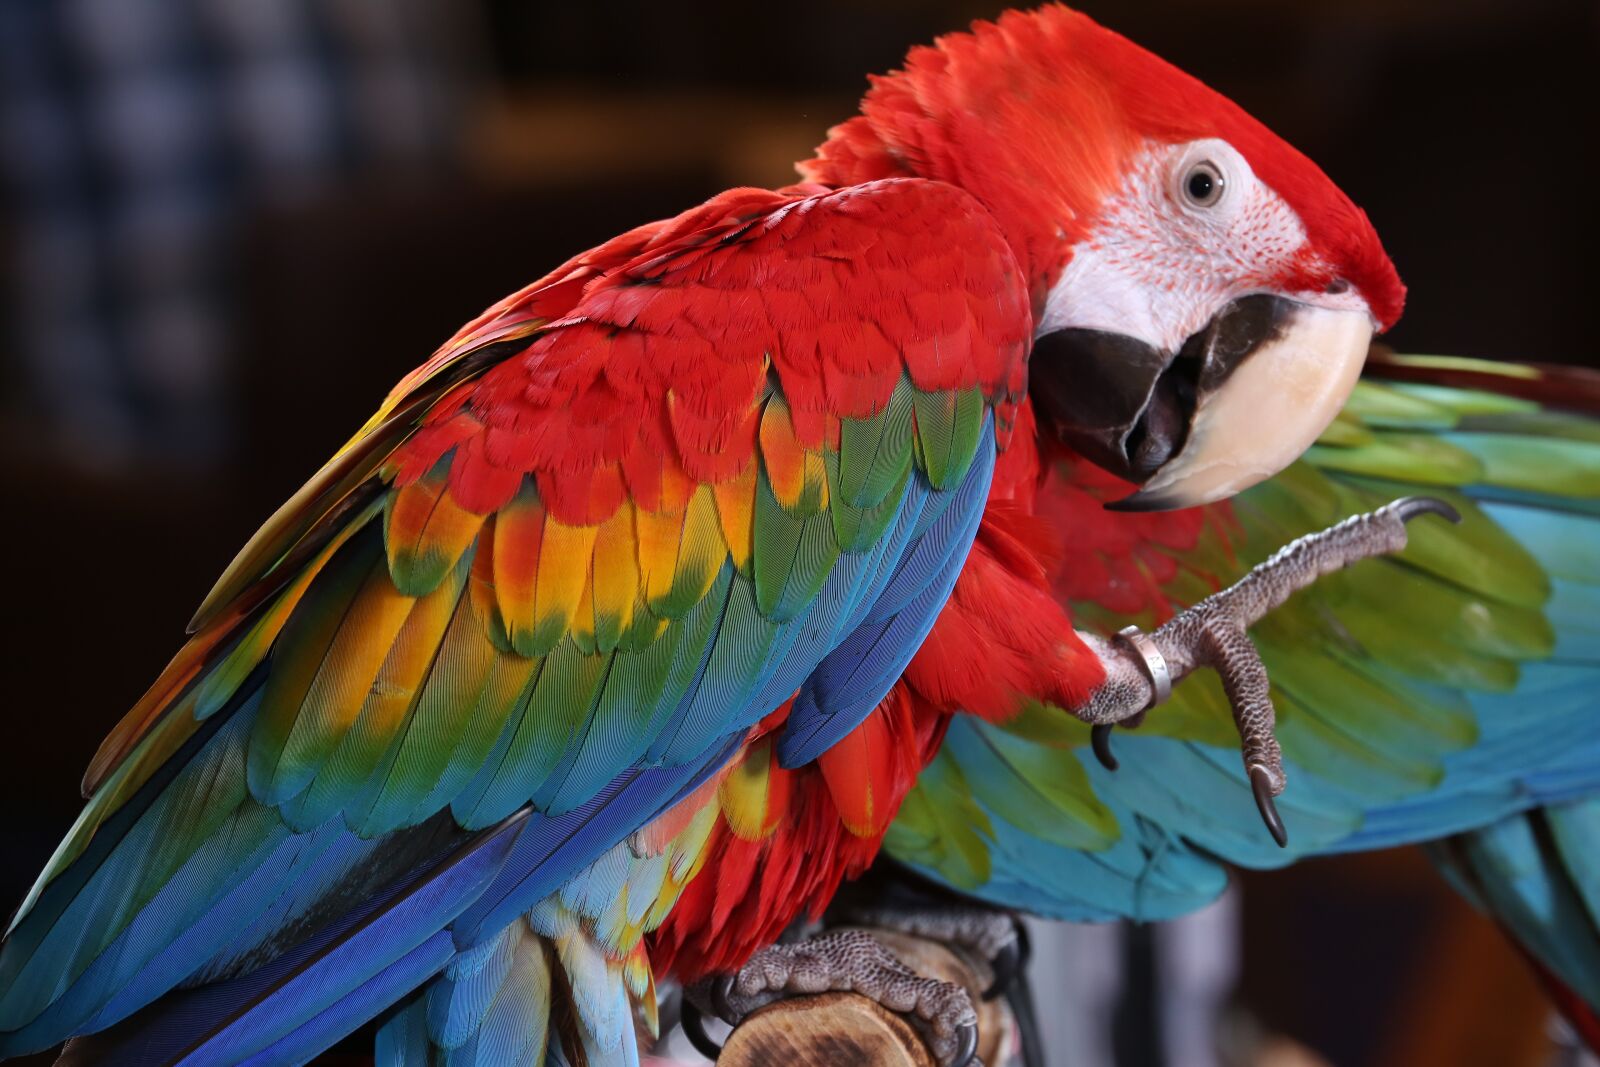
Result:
<point x="537" y="601"/>
<point x="1418" y="696"/>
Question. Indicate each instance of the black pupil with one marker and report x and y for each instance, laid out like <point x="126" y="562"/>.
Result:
<point x="1201" y="185"/>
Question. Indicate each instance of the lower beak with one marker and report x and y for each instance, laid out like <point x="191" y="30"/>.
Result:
<point x="1241" y="400"/>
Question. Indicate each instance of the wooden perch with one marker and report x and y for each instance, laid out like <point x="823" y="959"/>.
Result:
<point x="835" y="1029"/>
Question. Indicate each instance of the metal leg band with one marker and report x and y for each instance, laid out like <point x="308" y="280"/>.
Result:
<point x="1155" y="664"/>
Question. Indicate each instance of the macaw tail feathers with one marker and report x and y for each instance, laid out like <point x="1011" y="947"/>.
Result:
<point x="1585" y="1022"/>
<point x="319" y="990"/>
<point x="543" y="993"/>
<point x="1538" y="874"/>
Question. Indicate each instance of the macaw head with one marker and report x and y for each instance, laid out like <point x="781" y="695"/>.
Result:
<point x="1204" y="296"/>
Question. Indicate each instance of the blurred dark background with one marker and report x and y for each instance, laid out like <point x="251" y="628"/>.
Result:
<point x="226" y="227"/>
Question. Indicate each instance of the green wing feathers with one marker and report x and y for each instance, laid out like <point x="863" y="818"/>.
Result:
<point x="1417" y="696"/>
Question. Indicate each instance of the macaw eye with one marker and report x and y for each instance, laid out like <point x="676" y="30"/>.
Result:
<point x="1202" y="184"/>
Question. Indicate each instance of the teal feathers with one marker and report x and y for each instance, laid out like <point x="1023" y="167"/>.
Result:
<point x="1433" y="693"/>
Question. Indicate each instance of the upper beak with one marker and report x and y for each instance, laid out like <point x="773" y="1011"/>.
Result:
<point x="1238" y="402"/>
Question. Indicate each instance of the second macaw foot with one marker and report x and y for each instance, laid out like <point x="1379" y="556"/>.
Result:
<point x="847" y="961"/>
<point x="996" y="938"/>
<point x="1141" y="668"/>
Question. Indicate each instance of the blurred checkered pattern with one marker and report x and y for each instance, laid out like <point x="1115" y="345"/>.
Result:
<point x="134" y="137"/>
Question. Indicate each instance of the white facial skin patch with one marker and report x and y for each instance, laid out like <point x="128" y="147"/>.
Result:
<point x="1157" y="264"/>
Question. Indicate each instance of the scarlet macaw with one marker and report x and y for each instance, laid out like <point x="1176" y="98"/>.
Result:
<point x="594" y="629"/>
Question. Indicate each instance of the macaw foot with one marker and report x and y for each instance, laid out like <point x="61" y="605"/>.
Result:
<point x="842" y="961"/>
<point x="998" y="938"/>
<point x="1140" y="668"/>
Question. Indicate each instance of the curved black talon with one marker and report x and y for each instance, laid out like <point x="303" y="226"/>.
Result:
<point x="966" y="1045"/>
<point x="1100" y="741"/>
<point x="1409" y="507"/>
<point x="1261" y="786"/>
<point x="694" y="1028"/>
<point x="1009" y="963"/>
<point x="1005" y="965"/>
<point x="721" y="986"/>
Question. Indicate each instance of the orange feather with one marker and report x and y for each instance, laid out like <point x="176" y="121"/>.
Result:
<point x="518" y="542"/>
